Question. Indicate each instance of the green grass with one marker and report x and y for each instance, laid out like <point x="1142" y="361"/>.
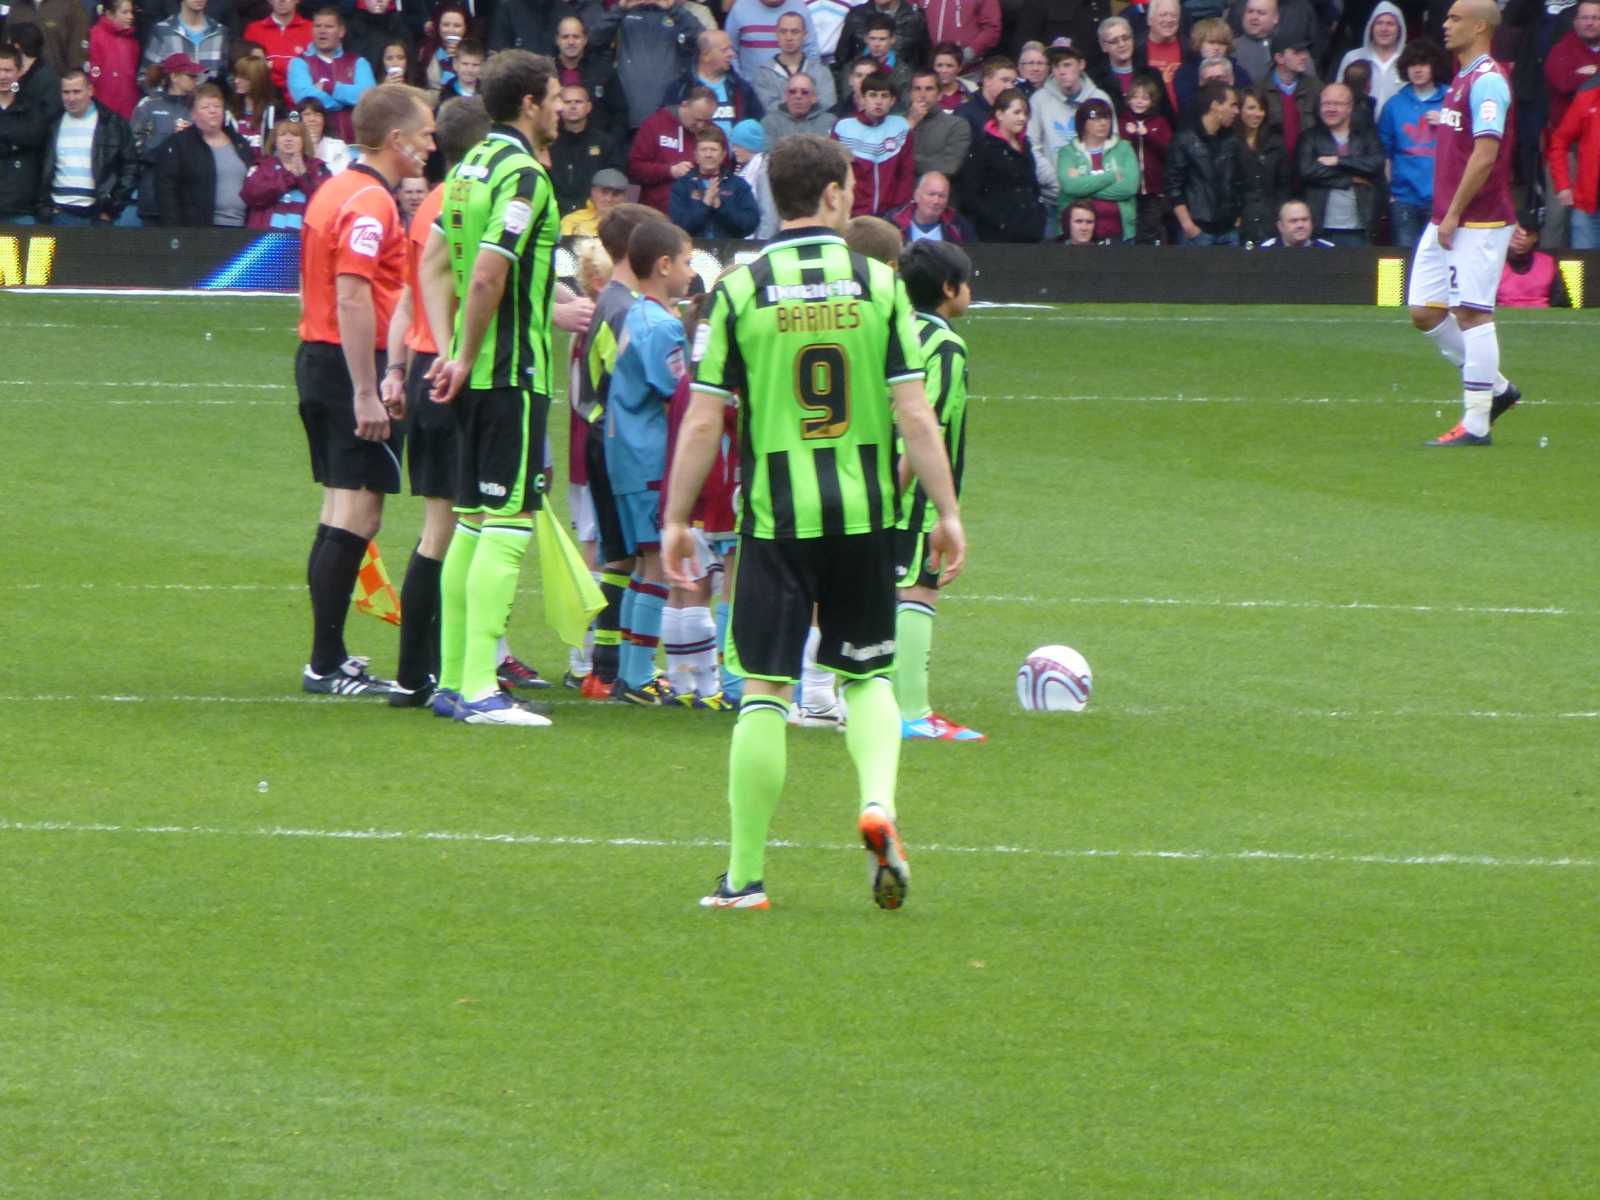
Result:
<point x="192" y="1005"/>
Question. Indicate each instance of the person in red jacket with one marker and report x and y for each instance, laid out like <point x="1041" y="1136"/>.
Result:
<point x="663" y="149"/>
<point x="1574" y="61"/>
<point x="284" y="34"/>
<point x="114" y="60"/>
<point x="1581" y="192"/>
<point x="974" y="25"/>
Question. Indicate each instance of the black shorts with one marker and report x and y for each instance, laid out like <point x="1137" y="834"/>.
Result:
<point x="607" y="521"/>
<point x="911" y="560"/>
<point x="850" y="581"/>
<point x="430" y="436"/>
<point x="339" y="459"/>
<point x="500" y="450"/>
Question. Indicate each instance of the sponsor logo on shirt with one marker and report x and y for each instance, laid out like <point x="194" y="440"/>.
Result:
<point x="366" y="235"/>
<point x="1488" y="112"/>
<point x="518" y="215"/>
<point x="812" y="291"/>
<point x="675" y="362"/>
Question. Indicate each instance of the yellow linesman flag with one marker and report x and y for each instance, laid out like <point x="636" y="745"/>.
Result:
<point x="375" y="595"/>
<point x="571" y="596"/>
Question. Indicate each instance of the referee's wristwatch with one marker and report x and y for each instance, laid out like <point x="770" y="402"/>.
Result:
<point x="396" y="368"/>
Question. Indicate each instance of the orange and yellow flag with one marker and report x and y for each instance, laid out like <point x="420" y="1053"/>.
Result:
<point x="375" y="595"/>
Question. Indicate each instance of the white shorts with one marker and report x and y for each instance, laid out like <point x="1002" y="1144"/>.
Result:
<point x="1465" y="276"/>
<point x="582" y="506"/>
<point x="706" y="559"/>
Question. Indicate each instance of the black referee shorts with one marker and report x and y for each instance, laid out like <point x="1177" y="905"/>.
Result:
<point x="607" y="520"/>
<point x="850" y="582"/>
<point x="500" y="450"/>
<point x="339" y="459"/>
<point x="430" y="436"/>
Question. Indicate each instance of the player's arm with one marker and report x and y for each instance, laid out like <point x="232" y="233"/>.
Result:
<point x="484" y="290"/>
<point x="358" y="334"/>
<point x="393" y="389"/>
<point x="438" y="295"/>
<point x="699" y="439"/>
<point x="926" y="453"/>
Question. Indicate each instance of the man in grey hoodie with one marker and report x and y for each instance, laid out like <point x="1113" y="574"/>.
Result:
<point x="1052" y="113"/>
<point x="771" y="78"/>
<point x="799" y="112"/>
<point x="656" y="42"/>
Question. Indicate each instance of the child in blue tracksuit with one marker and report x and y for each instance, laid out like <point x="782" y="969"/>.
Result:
<point x="711" y="201"/>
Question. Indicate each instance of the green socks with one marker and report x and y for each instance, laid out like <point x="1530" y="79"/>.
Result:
<point x="872" y="733"/>
<point x="453" y="604"/>
<point x="913" y="641"/>
<point x="756" y="765"/>
<point x="491" y="590"/>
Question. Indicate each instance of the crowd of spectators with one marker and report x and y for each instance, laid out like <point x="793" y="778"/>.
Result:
<point x="1084" y="121"/>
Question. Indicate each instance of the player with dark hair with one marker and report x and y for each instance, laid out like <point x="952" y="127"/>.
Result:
<point x="1456" y="269"/>
<point x="938" y="278"/>
<point x="819" y="346"/>
<point x="430" y="427"/>
<point x="650" y="361"/>
<point x="352" y="269"/>
<point x="499" y="221"/>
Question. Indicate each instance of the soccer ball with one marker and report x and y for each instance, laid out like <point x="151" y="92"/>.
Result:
<point x="1054" y="679"/>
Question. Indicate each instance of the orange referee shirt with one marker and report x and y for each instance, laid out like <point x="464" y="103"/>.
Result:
<point x="419" y="337"/>
<point x="351" y="227"/>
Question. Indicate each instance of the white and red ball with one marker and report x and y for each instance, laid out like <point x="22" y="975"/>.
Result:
<point x="1054" y="679"/>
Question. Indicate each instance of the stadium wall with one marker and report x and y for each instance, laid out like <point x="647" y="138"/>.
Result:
<point x="237" y="260"/>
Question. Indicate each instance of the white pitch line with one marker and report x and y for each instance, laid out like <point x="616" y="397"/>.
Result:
<point x="1313" y="605"/>
<point x="1445" y="859"/>
<point x="1099" y="708"/>
<point x="1181" y="398"/>
<point x="1063" y="312"/>
<point x="151" y="385"/>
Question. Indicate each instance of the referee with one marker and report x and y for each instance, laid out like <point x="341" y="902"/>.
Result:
<point x="352" y="270"/>
<point x="818" y="345"/>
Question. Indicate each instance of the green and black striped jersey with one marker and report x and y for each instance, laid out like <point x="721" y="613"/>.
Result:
<point x="499" y="200"/>
<point x="945" y="357"/>
<point x="810" y="337"/>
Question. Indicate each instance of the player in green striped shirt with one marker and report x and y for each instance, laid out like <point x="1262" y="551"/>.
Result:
<point x="938" y="277"/>
<point x="500" y="224"/>
<point x="819" y="346"/>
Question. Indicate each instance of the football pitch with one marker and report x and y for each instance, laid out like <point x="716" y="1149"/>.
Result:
<point x="1304" y="904"/>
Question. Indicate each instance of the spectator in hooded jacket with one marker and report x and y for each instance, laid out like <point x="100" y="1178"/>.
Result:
<point x="749" y="150"/>
<point x="1264" y="170"/>
<point x="189" y="31"/>
<point x="89" y="170"/>
<point x="578" y="63"/>
<point x="1382" y="43"/>
<point x="114" y="60"/>
<point x="1052" y="119"/>
<point x="1000" y="184"/>
<point x="663" y="149"/>
<point x="201" y="171"/>
<point x="1574" y="60"/>
<point x="1341" y="168"/>
<point x="1580" y="190"/>
<point x="799" y="112"/>
<point x="771" y="77"/>
<point x="162" y="113"/>
<point x="927" y="216"/>
<point x="1101" y="168"/>
<point x="711" y="201"/>
<point x="1407" y="129"/>
<point x="279" y="186"/>
<point x="1149" y="133"/>
<point x="753" y="28"/>
<point x="713" y="70"/>
<point x="940" y="139"/>
<point x="656" y="42"/>
<point x="63" y="24"/>
<point x="880" y="145"/>
<point x="1203" y="178"/>
<point x="284" y="34"/>
<point x="910" y="31"/>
